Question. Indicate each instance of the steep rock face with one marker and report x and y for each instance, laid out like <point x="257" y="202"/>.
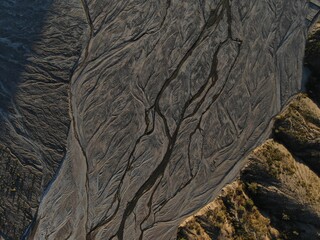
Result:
<point x="40" y="42"/>
<point x="286" y="190"/>
<point x="167" y="99"/>
<point x="298" y="127"/>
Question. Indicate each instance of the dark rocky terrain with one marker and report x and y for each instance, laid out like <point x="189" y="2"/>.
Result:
<point x="121" y="118"/>
<point x="312" y="61"/>
<point x="40" y="43"/>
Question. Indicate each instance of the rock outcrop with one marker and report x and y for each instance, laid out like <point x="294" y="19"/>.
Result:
<point x="298" y="127"/>
<point x="166" y="99"/>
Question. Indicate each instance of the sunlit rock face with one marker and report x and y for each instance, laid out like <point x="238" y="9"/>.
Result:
<point x="166" y="99"/>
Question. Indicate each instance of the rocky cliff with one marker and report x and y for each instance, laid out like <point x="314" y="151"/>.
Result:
<point x="150" y="106"/>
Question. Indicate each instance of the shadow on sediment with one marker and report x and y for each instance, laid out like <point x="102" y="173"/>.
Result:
<point x="21" y="24"/>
